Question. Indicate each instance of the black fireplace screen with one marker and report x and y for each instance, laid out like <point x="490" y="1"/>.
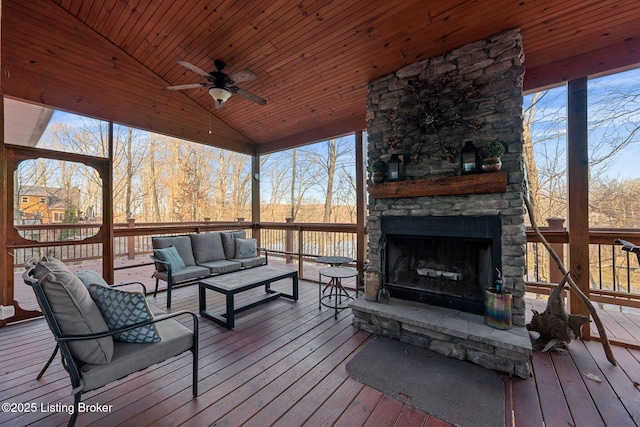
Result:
<point x="446" y="261"/>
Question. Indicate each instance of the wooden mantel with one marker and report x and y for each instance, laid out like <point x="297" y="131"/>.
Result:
<point x="480" y="183"/>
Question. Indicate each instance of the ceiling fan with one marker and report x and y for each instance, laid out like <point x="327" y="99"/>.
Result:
<point x="221" y="85"/>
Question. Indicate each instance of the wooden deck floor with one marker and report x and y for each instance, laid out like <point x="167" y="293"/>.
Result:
<point x="284" y="364"/>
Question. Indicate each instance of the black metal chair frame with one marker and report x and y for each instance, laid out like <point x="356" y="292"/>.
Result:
<point x="629" y="247"/>
<point x="71" y="365"/>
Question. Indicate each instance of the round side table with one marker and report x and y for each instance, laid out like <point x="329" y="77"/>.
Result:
<point x="336" y="291"/>
<point x="334" y="261"/>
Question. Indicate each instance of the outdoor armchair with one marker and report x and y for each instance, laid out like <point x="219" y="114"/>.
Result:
<point x="104" y="334"/>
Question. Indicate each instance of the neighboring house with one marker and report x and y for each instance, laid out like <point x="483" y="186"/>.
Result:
<point x="47" y="205"/>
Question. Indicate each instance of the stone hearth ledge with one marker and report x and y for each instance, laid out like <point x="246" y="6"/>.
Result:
<point x="453" y="333"/>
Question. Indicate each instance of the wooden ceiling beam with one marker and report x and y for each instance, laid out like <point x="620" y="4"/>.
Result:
<point x="613" y="58"/>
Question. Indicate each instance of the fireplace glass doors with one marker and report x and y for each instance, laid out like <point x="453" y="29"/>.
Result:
<point x="445" y="261"/>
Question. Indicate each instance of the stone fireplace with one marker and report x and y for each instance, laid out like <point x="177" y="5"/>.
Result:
<point x="438" y="236"/>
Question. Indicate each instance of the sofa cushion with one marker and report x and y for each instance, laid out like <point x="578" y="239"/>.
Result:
<point x="250" y="262"/>
<point x="130" y="357"/>
<point x="246" y="248"/>
<point x="207" y="247"/>
<point x="182" y="245"/>
<point x="188" y="273"/>
<point x="74" y="310"/>
<point x="89" y="276"/>
<point x="222" y="266"/>
<point x="123" y="308"/>
<point x="228" y="242"/>
<point x="172" y="256"/>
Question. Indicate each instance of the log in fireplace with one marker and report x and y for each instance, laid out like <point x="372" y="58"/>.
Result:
<point x="444" y="261"/>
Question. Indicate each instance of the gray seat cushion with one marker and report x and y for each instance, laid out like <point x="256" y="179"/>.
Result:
<point x="222" y="266"/>
<point x="74" y="310"/>
<point x="129" y="357"/>
<point x="207" y="247"/>
<point x="182" y="245"/>
<point x="187" y="273"/>
<point x="250" y="262"/>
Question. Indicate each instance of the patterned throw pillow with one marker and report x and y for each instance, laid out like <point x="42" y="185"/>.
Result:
<point x="246" y="248"/>
<point x="122" y="308"/>
<point x="172" y="256"/>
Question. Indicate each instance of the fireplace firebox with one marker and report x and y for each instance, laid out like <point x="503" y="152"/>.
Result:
<point x="444" y="261"/>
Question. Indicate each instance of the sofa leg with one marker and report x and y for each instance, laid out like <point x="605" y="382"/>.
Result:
<point x="168" y="295"/>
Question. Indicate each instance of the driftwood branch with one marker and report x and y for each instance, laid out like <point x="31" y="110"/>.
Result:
<point x="574" y="287"/>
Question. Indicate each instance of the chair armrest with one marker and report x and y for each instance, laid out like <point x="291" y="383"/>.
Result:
<point x="266" y="254"/>
<point x="133" y="326"/>
<point x="144" y="288"/>
<point x="628" y="246"/>
<point x="166" y="264"/>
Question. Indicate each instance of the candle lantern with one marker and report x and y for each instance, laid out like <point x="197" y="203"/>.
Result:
<point x="468" y="158"/>
<point x="395" y="168"/>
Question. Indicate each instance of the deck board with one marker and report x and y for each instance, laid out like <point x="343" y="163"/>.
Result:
<point x="552" y="400"/>
<point x="284" y="365"/>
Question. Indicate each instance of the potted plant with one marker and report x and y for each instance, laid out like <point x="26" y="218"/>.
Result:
<point x="378" y="169"/>
<point x="490" y="154"/>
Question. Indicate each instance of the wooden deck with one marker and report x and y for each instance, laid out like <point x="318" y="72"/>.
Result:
<point x="284" y="364"/>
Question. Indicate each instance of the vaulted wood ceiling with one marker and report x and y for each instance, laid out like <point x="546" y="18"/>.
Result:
<point x="113" y="59"/>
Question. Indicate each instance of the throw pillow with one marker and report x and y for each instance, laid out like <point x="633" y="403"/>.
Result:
<point x="172" y="256"/>
<point x="122" y="308"/>
<point x="228" y="241"/>
<point x="74" y="310"/>
<point x="89" y="276"/>
<point x="246" y="248"/>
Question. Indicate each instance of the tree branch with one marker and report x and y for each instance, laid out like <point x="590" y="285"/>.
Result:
<point x="574" y="287"/>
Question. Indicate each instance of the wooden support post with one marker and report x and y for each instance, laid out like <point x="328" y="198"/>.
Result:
<point x="131" y="240"/>
<point x="6" y="266"/>
<point x="578" y="193"/>
<point x="288" y="241"/>
<point x="361" y="208"/>
<point x="555" y="275"/>
<point x="255" y="198"/>
<point x="106" y="173"/>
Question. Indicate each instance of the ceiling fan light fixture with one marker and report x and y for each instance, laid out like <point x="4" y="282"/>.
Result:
<point x="219" y="94"/>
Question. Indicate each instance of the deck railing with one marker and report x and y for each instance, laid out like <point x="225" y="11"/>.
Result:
<point x="615" y="274"/>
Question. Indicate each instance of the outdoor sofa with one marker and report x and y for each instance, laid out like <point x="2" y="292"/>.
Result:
<point x="188" y="258"/>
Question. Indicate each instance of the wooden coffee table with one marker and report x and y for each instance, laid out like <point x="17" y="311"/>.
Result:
<point x="232" y="283"/>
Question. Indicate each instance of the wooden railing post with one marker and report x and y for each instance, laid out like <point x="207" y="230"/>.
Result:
<point x="131" y="240"/>
<point x="555" y="275"/>
<point x="288" y="242"/>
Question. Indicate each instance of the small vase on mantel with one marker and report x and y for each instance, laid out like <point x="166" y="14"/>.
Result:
<point x="378" y="171"/>
<point x="490" y="154"/>
<point x="491" y="164"/>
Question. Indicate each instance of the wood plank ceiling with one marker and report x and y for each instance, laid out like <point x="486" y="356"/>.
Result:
<point x="113" y="59"/>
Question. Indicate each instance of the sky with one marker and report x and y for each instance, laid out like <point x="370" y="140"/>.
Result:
<point x="613" y="112"/>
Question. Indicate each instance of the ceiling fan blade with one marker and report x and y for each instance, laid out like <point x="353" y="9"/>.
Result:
<point x="242" y="76"/>
<point x="248" y="95"/>
<point x="194" y="68"/>
<point x="189" y="86"/>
